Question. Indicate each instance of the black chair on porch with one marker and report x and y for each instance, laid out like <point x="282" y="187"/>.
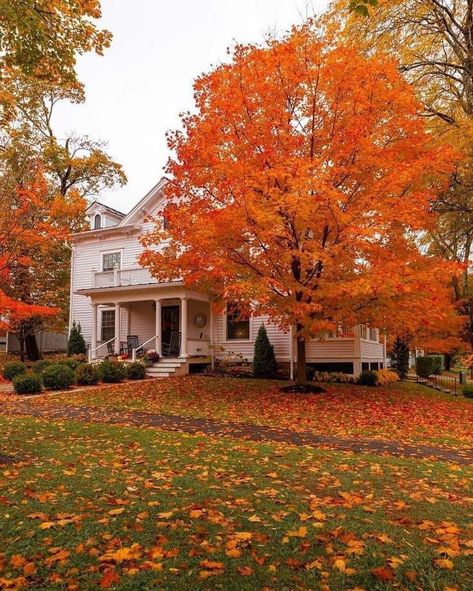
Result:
<point x="133" y="342"/>
<point x="173" y="348"/>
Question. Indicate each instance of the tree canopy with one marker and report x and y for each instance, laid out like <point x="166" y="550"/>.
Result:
<point x="299" y="188"/>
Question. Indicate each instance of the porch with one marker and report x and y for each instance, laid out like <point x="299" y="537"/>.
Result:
<point x="174" y="322"/>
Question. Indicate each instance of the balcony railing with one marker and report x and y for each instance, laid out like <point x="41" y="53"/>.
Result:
<point x="122" y="277"/>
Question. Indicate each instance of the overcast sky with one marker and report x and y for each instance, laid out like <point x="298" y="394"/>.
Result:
<point x="136" y="91"/>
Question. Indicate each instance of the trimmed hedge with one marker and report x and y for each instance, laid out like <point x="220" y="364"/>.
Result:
<point x="13" y="368"/>
<point x="387" y="376"/>
<point x="368" y="378"/>
<point x="468" y="391"/>
<point x="135" y="371"/>
<point x="70" y="362"/>
<point x="87" y="374"/>
<point x="27" y="383"/>
<point x="439" y="363"/>
<point x="112" y="372"/>
<point x="424" y="366"/>
<point x="58" y="376"/>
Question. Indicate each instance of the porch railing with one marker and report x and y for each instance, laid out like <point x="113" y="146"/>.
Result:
<point x="92" y="351"/>
<point x="122" y="277"/>
<point x="133" y="351"/>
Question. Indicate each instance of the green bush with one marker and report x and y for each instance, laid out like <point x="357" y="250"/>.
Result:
<point x="13" y="368"/>
<point x="424" y="366"/>
<point x="58" y="376"/>
<point x="112" y="372"/>
<point x="71" y="362"/>
<point x="439" y="363"/>
<point x="368" y="378"/>
<point x="264" y="360"/>
<point x="87" y="374"/>
<point x="27" y="383"/>
<point x="468" y="391"/>
<point x="76" y="344"/>
<point x="135" y="371"/>
<point x="40" y="365"/>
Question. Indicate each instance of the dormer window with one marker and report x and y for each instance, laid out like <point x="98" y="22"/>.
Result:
<point x="97" y="221"/>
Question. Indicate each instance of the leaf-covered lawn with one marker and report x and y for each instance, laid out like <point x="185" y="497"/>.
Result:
<point x="95" y="506"/>
<point x="401" y="412"/>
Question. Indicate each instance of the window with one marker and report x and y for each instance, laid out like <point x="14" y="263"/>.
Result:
<point x="363" y="331"/>
<point x="108" y="325"/>
<point x="341" y="331"/>
<point x="238" y="324"/>
<point x="373" y="334"/>
<point x="111" y="260"/>
<point x="97" y="221"/>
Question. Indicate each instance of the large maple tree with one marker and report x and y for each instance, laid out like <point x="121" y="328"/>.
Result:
<point x="299" y="188"/>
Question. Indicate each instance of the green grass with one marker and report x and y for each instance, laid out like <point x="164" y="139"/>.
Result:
<point x="189" y="496"/>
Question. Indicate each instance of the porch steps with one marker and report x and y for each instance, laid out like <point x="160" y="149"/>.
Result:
<point x="166" y="367"/>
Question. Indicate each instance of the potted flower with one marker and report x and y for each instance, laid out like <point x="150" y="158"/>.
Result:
<point x="153" y="355"/>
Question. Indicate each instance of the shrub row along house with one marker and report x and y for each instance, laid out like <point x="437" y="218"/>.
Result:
<point x="121" y="307"/>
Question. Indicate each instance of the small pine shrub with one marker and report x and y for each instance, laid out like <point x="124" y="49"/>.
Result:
<point x="76" y="344"/>
<point x="27" y="383"/>
<point x="41" y="365"/>
<point x="424" y="366"/>
<point x="368" y="378"/>
<point x="112" y="372"/>
<point x="13" y="368"/>
<point x="135" y="371"/>
<point x="58" y="377"/>
<point x="400" y="357"/>
<point x="468" y="391"/>
<point x="264" y="360"/>
<point x="87" y="374"/>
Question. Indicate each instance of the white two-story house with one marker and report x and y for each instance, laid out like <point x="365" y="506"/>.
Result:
<point x="121" y="307"/>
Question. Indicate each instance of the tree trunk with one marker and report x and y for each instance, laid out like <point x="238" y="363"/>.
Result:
<point x="32" y="350"/>
<point x="301" y="374"/>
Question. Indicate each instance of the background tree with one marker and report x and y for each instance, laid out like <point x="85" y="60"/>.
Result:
<point x="433" y="43"/>
<point x="298" y="189"/>
<point x="42" y="38"/>
<point x="75" y="168"/>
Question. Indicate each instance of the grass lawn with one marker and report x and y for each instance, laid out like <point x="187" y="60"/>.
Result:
<point x="404" y="412"/>
<point x="94" y="506"/>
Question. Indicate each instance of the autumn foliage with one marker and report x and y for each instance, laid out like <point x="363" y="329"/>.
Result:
<point x="33" y="228"/>
<point x="301" y="184"/>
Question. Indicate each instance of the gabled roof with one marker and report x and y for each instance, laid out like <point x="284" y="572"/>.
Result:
<point x="146" y="205"/>
<point x="107" y="208"/>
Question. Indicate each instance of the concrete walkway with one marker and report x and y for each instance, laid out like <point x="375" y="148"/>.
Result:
<point x="237" y="431"/>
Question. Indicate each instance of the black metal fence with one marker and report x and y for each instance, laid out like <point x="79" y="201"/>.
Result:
<point x="444" y="382"/>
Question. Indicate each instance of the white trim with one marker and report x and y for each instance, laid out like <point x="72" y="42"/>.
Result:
<point x="144" y="201"/>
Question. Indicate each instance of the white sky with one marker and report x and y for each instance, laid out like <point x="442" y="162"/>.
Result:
<point x="136" y="91"/>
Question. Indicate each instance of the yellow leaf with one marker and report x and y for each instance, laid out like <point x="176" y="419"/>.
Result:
<point x="443" y="563"/>
<point x="243" y="535"/>
<point x="116" y="511"/>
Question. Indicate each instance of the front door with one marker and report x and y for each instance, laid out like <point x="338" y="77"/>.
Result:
<point x="170" y="324"/>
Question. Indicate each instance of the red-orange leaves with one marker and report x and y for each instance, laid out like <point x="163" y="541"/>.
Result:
<point x="299" y="185"/>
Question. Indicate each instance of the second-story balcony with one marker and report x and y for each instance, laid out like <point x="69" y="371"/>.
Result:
<point x="122" y="278"/>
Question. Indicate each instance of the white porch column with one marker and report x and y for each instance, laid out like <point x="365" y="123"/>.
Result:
<point x="385" y="354"/>
<point x="158" y="344"/>
<point x="117" y="328"/>
<point x="183" y="326"/>
<point x="128" y="322"/>
<point x="93" y="343"/>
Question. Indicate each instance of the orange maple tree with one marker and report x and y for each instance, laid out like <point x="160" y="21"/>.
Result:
<point x="299" y="189"/>
<point x="32" y="228"/>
